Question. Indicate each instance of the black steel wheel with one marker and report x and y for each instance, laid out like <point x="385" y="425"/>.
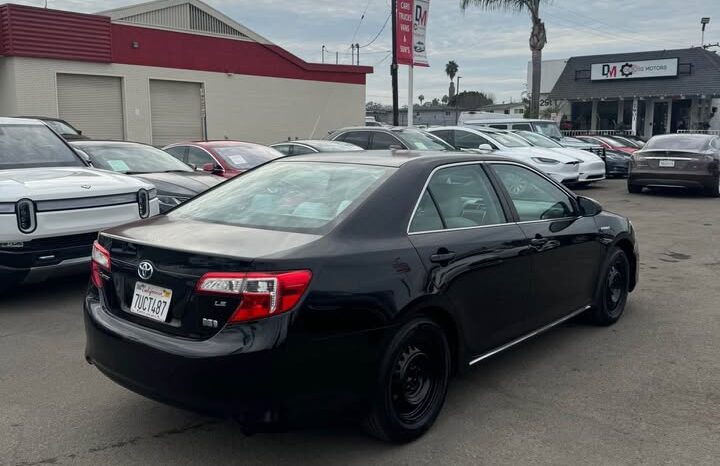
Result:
<point x="614" y="289"/>
<point x="634" y="188"/>
<point x="412" y="384"/>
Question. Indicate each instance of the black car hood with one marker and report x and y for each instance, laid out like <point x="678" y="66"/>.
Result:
<point x="181" y="183"/>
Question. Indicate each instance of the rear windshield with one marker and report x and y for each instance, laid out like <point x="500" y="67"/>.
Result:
<point x="678" y="142"/>
<point x="302" y="197"/>
<point x="334" y="146"/>
<point x="247" y="157"/>
<point x="28" y="146"/>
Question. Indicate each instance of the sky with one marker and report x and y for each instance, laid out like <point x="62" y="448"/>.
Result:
<point x="490" y="47"/>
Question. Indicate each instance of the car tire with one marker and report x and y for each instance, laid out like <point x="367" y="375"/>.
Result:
<point x="713" y="189"/>
<point x="634" y="188"/>
<point x="613" y="290"/>
<point x="411" y="384"/>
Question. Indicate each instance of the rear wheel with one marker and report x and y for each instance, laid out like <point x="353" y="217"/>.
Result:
<point x="634" y="188"/>
<point x="412" y="383"/>
<point x="713" y="189"/>
<point x="614" y="290"/>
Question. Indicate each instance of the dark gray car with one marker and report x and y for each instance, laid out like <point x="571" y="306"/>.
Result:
<point x="175" y="181"/>
<point x="400" y="138"/>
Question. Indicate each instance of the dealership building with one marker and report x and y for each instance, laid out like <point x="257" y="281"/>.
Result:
<point x="166" y="71"/>
<point x="645" y="92"/>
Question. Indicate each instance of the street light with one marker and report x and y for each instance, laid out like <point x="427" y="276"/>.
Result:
<point x="704" y="21"/>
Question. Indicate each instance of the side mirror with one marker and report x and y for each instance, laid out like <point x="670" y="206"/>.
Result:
<point x="486" y="147"/>
<point x="208" y="167"/>
<point x="395" y="147"/>
<point x="79" y="132"/>
<point x="589" y="207"/>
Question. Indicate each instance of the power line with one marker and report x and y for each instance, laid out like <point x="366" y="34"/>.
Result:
<point x="362" y="17"/>
<point x="379" y="32"/>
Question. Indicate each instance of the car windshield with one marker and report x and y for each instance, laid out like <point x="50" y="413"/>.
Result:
<point x="334" y="146"/>
<point x="132" y="158"/>
<point x="247" y="156"/>
<point x="420" y="140"/>
<point x="508" y="140"/>
<point x="678" y="142"/>
<point x="288" y="196"/>
<point x="61" y="127"/>
<point x="548" y="129"/>
<point x="538" y="140"/>
<point x="27" y="146"/>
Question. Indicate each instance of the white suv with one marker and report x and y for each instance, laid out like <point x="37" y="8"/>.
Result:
<point x="52" y="205"/>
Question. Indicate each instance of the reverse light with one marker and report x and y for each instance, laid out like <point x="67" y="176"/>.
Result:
<point x="100" y="262"/>
<point x="261" y="294"/>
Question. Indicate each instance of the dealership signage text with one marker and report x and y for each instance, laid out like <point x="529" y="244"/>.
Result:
<point x="634" y="69"/>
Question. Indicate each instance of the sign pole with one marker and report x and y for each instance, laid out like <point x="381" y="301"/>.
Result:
<point x="394" y="66"/>
<point x="411" y="97"/>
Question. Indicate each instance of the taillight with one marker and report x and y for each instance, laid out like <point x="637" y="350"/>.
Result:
<point x="261" y="294"/>
<point x="100" y="261"/>
<point x="25" y="212"/>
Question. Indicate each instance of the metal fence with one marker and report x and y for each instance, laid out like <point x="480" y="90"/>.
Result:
<point x="715" y="132"/>
<point x="599" y="132"/>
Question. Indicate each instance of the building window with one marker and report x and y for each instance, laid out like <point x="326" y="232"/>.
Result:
<point x="507" y="112"/>
<point x="519" y="110"/>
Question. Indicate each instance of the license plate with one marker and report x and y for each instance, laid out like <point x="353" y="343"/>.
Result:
<point x="151" y="301"/>
<point x="667" y="163"/>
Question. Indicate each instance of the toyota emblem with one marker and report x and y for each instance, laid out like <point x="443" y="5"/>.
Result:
<point x="145" y="270"/>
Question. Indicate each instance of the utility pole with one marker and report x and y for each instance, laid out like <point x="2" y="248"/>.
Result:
<point x="704" y="21"/>
<point x="357" y="47"/>
<point x="323" y="53"/>
<point x="394" y="68"/>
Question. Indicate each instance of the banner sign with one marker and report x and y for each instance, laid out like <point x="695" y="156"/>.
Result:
<point x="422" y="9"/>
<point x="405" y="32"/>
<point x="412" y="17"/>
<point x="634" y="70"/>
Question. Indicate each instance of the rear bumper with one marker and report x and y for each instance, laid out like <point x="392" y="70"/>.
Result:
<point x="252" y="373"/>
<point x="674" y="180"/>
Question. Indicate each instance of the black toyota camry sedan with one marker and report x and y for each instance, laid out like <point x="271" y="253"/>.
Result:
<point x="351" y="282"/>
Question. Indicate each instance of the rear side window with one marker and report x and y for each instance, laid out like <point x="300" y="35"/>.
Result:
<point x="462" y="196"/>
<point x="283" y="148"/>
<point x="534" y="197"/>
<point x="359" y="138"/>
<point x="301" y="150"/>
<point x="499" y="126"/>
<point x="178" y="152"/>
<point x="522" y="127"/>
<point x="445" y="135"/>
<point x="288" y="196"/>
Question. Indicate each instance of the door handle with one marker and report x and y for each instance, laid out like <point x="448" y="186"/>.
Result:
<point x="442" y="256"/>
<point x="538" y="241"/>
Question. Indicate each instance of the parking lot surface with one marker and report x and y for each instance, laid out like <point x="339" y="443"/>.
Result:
<point x="645" y="391"/>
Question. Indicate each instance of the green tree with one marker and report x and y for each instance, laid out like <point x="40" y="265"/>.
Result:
<point x="451" y="70"/>
<point x="470" y="100"/>
<point x="538" y="38"/>
<point x="445" y="99"/>
<point x="435" y="102"/>
<point x="421" y="98"/>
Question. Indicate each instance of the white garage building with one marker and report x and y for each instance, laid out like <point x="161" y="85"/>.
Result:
<point x="167" y="71"/>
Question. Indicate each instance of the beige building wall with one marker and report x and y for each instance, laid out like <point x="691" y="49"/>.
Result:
<point x="249" y="108"/>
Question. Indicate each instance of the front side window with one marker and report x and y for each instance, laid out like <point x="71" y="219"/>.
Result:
<point x="522" y="127"/>
<point x="27" y="146"/>
<point x="301" y="150"/>
<point x="509" y="140"/>
<point x="384" y="141"/>
<point x="462" y="196"/>
<point x="534" y="197"/>
<point x="176" y="151"/>
<point x="199" y="157"/>
<point x="288" y="196"/>
<point x="468" y="140"/>
<point x="420" y="140"/>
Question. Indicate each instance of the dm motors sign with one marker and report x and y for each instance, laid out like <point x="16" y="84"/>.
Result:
<point x="412" y="17"/>
<point x="634" y="69"/>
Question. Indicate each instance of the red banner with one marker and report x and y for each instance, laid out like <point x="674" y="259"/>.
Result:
<point x="405" y="22"/>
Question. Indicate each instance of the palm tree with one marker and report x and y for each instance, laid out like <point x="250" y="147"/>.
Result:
<point x="538" y="38"/>
<point x="421" y="98"/>
<point x="451" y="70"/>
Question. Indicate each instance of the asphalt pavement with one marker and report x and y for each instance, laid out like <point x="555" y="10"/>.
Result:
<point x="645" y="391"/>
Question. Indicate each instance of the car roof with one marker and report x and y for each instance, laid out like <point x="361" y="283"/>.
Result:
<point x="686" y="135"/>
<point x="396" y="158"/>
<point x="216" y="143"/>
<point x="20" y="121"/>
<point x="103" y="142"/>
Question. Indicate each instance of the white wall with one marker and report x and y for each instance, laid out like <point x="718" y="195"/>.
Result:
<point x="250" y="108"/>
<point x="7" y="88"/>
<point x="550" y="71"/>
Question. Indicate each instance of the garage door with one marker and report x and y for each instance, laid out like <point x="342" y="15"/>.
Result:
<point x="92" y="104"/>
<point x="176" y="111"/>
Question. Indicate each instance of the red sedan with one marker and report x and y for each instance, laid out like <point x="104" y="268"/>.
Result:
<point x="223" y="158"/>
<point x="610" y="143"/>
